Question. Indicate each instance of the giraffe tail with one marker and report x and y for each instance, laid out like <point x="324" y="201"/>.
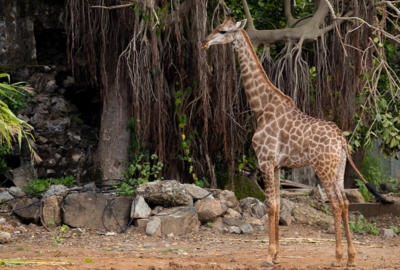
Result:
<point x="370" y="188"/>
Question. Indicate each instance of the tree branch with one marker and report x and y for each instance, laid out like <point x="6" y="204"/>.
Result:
<point x="390" y="4"/>
<point x="250" y="23"/>
<point x="114" y="7"/>
<point x="309" y="31"/>
<point x="168" y="20"/>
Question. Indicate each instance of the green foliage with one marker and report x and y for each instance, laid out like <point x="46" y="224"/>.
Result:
<point x="142" y="167"/>
<point x="245" y="187"/>
<point x="38" y="186"/>
<point x="138" y="172"/>
<point x="59" y="239"/>
<point x="362" y="188"/>
<point x="187" y="138"/>
<point x="88" y="260"/>
<point x="395" y="229"/>
<point x="4" y="149"/>
<point x="67" y="181"/>
<point x="11" y="127"/>
<point x="250" y="161"/>
<point x="363" y="226"/>
<point x="76" y="118"/>
<point x="371" y="168"/>
<point x="379" y="103"/>
<point x="15" y="95"/>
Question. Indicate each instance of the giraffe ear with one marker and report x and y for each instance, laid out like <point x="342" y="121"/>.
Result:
<point x="241" y="24"/>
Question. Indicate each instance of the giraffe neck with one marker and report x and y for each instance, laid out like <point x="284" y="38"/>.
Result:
<point x="259" y="89"/>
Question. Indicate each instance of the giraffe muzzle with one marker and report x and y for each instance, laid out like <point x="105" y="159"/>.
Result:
<point x="205" y="45"/>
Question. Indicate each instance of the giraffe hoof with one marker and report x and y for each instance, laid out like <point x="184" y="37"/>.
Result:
<point x="267" y="264"/>
<point x="335" y="264"/>
<point x="351" y="264"/>
<point x="276" y="261"/>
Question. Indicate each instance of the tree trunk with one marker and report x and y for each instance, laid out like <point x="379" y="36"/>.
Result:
<point x="350" y="174"/>
<point x="114" y="138"/>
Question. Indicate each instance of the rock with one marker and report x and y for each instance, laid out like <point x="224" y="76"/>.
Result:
<point x="389" y="187"/>
<point x="69" y="81"/>
<point x="232" y="222"/>
<point x="141" y="222"/>
<point x="23" y="174"/>
<point x="354" y="196"/>
<point x="253" y="206"/>
<point x="16" y="192"/>
<point x="153" y="227"/>
<point x="285" y="218"/>
<point x="59" y="190"/>
<point x="28" y="209"/>
<point x="246" y="228"/>
<point x="5" y="196"/>
<point x="228" y="198"/>
<point x="285" y="215"/>
<point x="197" y="193"/>
<point x="51" y="212"/>
<point x="318" y="193"/>
<point x="387" y="233"/>
<point x="91" y="210"/>
<point x="264" y="219"/>
<point x="179" y="220"/>
<point x="5" y="237"/>
<point x="218" y="224"/>
<point x="230" y="213"/>
<point x="166" y="193"/>
<point x="157" y="210"/>
<point x="208" y="209"/>
<point x="51" y="86"/>
<point x="140" y="209"/>
<point x="21" y="229"/>
<point x="253" y="221"/>
<point x="305" y="214"/>
<point x="234" y="229"/>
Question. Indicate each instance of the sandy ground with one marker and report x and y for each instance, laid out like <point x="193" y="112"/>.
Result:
<point x="302" y="247"/>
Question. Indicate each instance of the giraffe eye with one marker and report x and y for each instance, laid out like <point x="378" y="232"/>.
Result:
<point x="222" y="32"/>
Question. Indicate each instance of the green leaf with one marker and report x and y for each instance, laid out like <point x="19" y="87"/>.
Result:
<point x="394" y="142"/>
<point x="346" y="133"/>
<point x="240" y="166"/>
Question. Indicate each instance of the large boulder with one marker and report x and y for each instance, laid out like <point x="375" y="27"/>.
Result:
<point x="140" y="209"/>
<point x="253" y="206"/>
<point x="305" y="214"/>
<point x="208" y="209"/>
<point x="51" y="212"/>
<point x="167" y="193"/>
<point x="92" y="210"/>
<point x="28" y="209"/>
<point x="176" y="220"/>
<point x="196" y="192"/>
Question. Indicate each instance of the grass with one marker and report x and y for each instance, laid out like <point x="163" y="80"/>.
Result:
<point x="363" y="226"/>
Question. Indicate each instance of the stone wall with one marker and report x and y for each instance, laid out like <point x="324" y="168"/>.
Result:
<point x="33" y="49"/>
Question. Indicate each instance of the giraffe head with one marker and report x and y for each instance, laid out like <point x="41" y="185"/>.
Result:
<point x="224" y="33"/>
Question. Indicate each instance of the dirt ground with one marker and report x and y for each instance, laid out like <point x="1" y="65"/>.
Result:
<point x="302" y="247"/>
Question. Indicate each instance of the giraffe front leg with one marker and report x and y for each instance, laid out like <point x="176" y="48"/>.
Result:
<point x="267" y="169"/>
<point x="277" y="212"/>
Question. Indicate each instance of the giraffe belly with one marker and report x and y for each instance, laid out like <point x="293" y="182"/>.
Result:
<point x="292" y="161"/>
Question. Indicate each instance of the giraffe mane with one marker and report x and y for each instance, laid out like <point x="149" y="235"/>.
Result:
<point x="274" y="89"/>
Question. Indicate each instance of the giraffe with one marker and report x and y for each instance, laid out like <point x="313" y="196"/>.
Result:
<point x="286" y="137"/>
